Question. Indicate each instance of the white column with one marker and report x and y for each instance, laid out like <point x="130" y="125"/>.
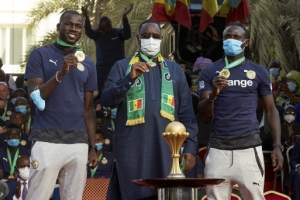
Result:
<point x="24" y="42"/>
<point x="7" y="47"/>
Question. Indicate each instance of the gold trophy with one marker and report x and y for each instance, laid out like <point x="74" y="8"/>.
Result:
<point x="175" y="134"/>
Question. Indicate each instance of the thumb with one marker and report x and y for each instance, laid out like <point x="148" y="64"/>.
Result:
<point x="181" y="159"/>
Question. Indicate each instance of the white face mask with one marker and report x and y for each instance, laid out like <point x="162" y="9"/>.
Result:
<point x="24" y="173"/>
<point x="150" y="46"/>
<point x="289" y="118"/>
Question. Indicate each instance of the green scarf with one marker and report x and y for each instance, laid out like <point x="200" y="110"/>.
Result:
<point x="135" y="97"/>
<point x="63" y="43"/>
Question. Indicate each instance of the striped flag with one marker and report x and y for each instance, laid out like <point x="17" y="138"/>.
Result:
<point x="163" y="10"/>
<point x="227" y="5"/>
<point x="240" y="14"/>
<point x="168" y="99"/>
<point x="209" y="10"/>
<point x="135" y="105"/>
<point x="182" y="13"/>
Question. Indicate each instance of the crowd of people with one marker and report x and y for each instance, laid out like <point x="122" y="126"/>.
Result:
<point x="55" y="133"/>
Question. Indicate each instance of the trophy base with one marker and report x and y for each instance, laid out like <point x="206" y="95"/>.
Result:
<point x="173" y="176"/>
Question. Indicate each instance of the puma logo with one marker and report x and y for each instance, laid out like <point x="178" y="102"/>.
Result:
<point x="5" y="159"/>
<point x="114" y="38"/>
<point x="53" y="62"/>
<point x="217" y="72"/>
<point x="256" y="184"/>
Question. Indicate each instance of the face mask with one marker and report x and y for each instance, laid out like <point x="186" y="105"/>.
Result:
<point x="150" y="46"/>
<point x="21" y="109"/>
<point x="113" y="113"/>
<point x="24" y="173"/>
<point x="13" y="142"/>
<point x="37" y="99"/>
<point x="13" y="100"/>
<point x="289" y="118"/>
<point x="274" y="72"/>
<point x="1" y="111"/>
<point x="99" y="146"/>
<point x="232" y="47"/>
<point x="292" y="86"/>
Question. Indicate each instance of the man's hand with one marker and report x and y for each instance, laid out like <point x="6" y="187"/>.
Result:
<point x="18" y="189"/>
<point x="69" y="61"/>
<point x="218" y="83"/>
<point x="138" y="68"/>
<point x="127" y="10"/>
<point x="277" y="159"/>
<point x="93" y="159"/>
<point x="298" y="169"/>
<point x="190" y="161"/>
<point x="84" y="11"/>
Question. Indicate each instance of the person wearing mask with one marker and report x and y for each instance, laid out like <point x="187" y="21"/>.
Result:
<point x="61" y="81"/>
<point x="109" y="43"/>
<point x="106" y="160"/>
<point x="232" y="87"/>
<point x="149" y="92"/>
<point x="10" y="153"/>
<point x="18" y="187"/>
<point x="289" y="115"/>
<point x="22" y="106"/>
<point x="275" y="74"/>
<point x="9" y="106"/>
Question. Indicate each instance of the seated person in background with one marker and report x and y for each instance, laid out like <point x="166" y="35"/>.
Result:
<point x="194" y="96"/>
<point x="199" y="65"/>
<point x="105" y="124"/>
<point x="10" y="154"/>
<point x="289" y="113"/>
<point x="18" y="119"/>
<point x="288" y="89"/>
<point x="106" y="160"/>
<point x="275" y="75"/>
<point x="2" y="110"/>
<point x="9" y="107"/>
<point x="294" y="178"/>
<point x="19" y="92"/>
<point x="22" y="105"/>
<point x="4" y="78"/>
<point x="18" y="187"/>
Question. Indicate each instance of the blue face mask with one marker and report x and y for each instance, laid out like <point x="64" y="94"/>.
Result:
<point x="274" y="72"/>
<point x="292" y="86"/>
<point x="21" y="109"/>
<point x="13" y="100"/>
<point x="232" y="47"/>
<point x="13" y="142"/>
<point x="99" y="146"/>
<point x="37" y="99"/>
<point x="113" y="113"/>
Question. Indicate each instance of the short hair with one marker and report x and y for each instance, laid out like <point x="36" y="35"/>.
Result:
<point x="15" y="112"/>
<point x="247" y="34"/>
<point x="105" y="18"/>
<point x="276" y="62"/>
<point x="147" y="22"/>
<point x="73" y="12"/>
<point x="13" y="126"/>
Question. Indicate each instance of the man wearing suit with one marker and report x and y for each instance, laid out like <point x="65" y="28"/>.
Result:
<point x="10" y="154"/>
<point x="18" y="187"/>
<point x="294" y="179"/>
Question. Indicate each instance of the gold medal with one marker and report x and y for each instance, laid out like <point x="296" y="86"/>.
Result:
<point x="80" y="56"/>
<point x="8" y="113"/>
<point x="251" y="74"/>
<point x="104" y="161"/>
<point x="152" y="64"/>
<point x="80" y="67"/>
<point x="23" y="143"/>
<point x="11" y="177"/>
<point x="35" y="164"/>
<point x="107" y="141"/>
<point x="225" y="73"/>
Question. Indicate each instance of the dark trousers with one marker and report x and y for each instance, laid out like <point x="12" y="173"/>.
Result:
<point x="102" y="74"/>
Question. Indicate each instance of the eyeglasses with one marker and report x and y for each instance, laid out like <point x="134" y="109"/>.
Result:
<point x="147" y="36"/>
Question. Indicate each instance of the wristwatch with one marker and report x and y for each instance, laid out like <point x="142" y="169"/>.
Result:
<point x="280" y="146"/>
<point x="92" y="147"/>
<point x="208" y="97"/>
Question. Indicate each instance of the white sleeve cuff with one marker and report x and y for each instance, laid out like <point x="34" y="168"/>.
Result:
<point x="296" y="167"/>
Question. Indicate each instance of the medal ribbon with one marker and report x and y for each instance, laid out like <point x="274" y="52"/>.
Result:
<point x="12" y="165"/>
<point x="145" y="58"/>
<point x="233" y="64"/>
<point x="63" y="43"/>
<point x="3" y="115"/>
<point x="28" y="124"/>
<point x="93" y="171"/>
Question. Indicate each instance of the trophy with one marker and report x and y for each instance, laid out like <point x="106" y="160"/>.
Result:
<point x="175" y="134"/>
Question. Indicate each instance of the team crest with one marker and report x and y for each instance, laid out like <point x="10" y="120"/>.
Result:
<point x="107" y="141"/>
<point x="251" y="74"/>
<point x="35" y="164"/>
<point x="104" y="161"/>
<point x="167" y="77"/>
<point x="23" y="142"/>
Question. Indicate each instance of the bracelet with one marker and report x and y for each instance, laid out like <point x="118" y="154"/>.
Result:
<point x="57" y="77"/>
<point x="210" y="99"/>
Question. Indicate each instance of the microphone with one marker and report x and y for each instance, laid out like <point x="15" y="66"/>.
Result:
<point x="3" y="190"/>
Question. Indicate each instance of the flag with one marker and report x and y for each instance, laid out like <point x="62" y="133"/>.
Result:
<point x="225" y="9"/>
<point x="240" y="14"/>
<point x="163" y="10"/>
<point x="135" y="105"/>
<point x="182" y="13"/>
<point x="234" y="3"/>
<point x="168" y="99"/>
<point x="209" y="10"/>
